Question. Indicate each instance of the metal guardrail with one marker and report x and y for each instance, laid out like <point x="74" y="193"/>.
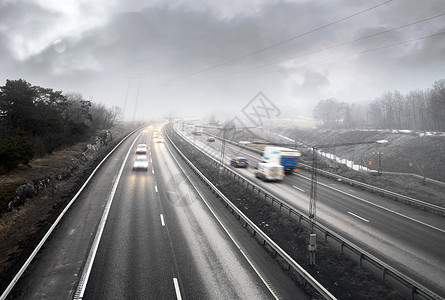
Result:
<point x="371" y="188"/>
<point x="257" y="231"/>
<point x="383" y="192"/>
<point x="416" y="290"/>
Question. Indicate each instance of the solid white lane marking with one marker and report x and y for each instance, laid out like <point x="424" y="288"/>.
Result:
<point x="363" y="219"/>
<point x="379" y="206"/>
<point x="298" y="188"/>
<point x="178" y="291"/>
<point x="257" y="271"/>
<point x="156" y="188"/>
<point x="162" y="220"/>
<point x="92" y="255"/>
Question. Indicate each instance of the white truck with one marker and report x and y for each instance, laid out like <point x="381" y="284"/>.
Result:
<point x="288" y="158"/>
<point x="269" y="172"/>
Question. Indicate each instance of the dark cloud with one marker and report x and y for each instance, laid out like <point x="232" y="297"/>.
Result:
<point x="167" y="45"/>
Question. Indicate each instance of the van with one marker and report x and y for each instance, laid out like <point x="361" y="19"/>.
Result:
<point x="269" y="172"/>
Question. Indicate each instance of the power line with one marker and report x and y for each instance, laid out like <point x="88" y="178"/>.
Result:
<point x="326" y="61"/>
<point x="283" y="42"/>
<point x="332" y="47"/>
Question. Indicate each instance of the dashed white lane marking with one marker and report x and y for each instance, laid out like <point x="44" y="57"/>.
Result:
<point x="379" y="206"/>
<point x="156" y="188"/>
<point x="178" y="292"/>
<point x="363" y="219"/>
<point x="162" y="220"/>
<point x="152" y="171"/>
<point x="295" y="187"/>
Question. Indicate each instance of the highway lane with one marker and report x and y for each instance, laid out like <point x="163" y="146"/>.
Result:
<point x="160" y="241"/>
<point x="407" y="238"/>
<point x="134" y="258"/>
<point x="195" y="208"/>
<point x="56" y="268"/>
<point x="152" y="246"/>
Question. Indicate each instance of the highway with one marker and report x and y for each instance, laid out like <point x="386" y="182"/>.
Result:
<point x="151" y="235"/>
<point x="409" y="239"/>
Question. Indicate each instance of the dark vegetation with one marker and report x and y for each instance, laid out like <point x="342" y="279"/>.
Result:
<point x="338" y="273"/>
<point x="417" y="110"/>
<point x="35" y="121"/>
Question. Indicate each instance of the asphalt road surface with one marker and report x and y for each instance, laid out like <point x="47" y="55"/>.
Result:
<point x="150" y="235"/>
<point x="407" y="238"/>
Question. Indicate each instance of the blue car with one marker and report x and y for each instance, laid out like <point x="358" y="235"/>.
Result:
<point x="239" y="162"/>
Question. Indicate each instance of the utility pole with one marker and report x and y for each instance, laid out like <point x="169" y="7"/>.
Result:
<point x="314" y="196"/>
<point x="126" y="95"/>
<point x="137" y="98"/>
<point x="314" y="188"/>
<point x="313" y="209"/>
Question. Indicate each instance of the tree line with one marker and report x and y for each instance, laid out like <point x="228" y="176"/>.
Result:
<point x="417" y="110"/>
<point x="36" y="120"/>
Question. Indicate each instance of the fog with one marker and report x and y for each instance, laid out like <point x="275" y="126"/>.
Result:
<point x="195" y="58"/>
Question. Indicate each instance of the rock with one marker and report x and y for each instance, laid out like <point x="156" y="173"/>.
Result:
<point x="26" y="190"/>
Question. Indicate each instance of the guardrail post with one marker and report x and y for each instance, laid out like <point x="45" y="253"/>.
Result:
<point x="384" y="274"/>
<point x="342" y="244"/>
<point x="326" y="236"/>
<point x="361" y="260"/>
<point x="413" y="292"/>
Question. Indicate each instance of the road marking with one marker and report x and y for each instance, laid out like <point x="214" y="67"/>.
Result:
<point x="92" y="255"/>
<point x="363" y="219"/>
<point x="152" y="171"/>
<point x="257" y="271"/>
<point x="379" y="206"/>
<point x="156" y="188"/>
<point x="298" y="188"/>
<point x="162" y="220"/>
<point x="178" y="291"/>
<point x="150" y="153"/>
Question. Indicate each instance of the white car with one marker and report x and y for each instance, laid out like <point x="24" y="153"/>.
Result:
<point x="141" y="162"/>
<point x="159" y="139"/>
<point x="141" y="149"/>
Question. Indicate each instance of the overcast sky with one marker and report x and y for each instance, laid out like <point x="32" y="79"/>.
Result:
<point x="195" y="57"/>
